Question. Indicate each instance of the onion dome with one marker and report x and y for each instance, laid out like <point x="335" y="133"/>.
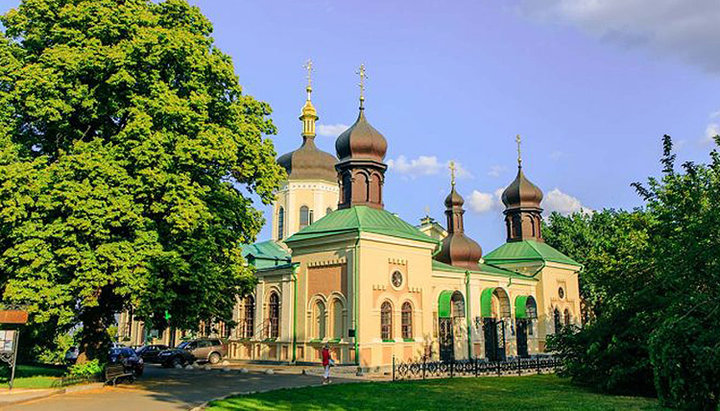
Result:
<point x="454" y="199"/>
<point x="361" y="150"/>
<point x="522" y="193"/>
<point x="309" y="162"/>
<point x="522" y="200"/>
<point x="361" y="141"/>
<point x="458" y="249"/>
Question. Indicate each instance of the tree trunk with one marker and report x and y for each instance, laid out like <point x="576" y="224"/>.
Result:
<point x="95" y="340"/>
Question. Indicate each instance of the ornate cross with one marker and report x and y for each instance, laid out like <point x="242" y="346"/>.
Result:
<point x="363" y="77"/>
<point x="309" y="67"/>
<point x="452" y="173"/>
<point x="517" y="139"/>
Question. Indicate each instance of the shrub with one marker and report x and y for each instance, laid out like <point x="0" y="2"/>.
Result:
<point x="86" y="369"/>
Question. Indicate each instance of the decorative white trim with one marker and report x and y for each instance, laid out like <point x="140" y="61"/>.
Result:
<point x="327" y="263"/>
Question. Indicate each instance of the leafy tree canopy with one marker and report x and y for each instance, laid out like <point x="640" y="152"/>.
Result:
<point x="652" y="282"/>
<point x="125" y="141"/>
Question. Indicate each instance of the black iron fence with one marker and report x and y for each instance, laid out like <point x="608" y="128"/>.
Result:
<point x="73" y="380"/>
<point x="424" y="369"/>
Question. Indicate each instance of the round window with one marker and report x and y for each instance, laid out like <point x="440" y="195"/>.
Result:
<point x="397" y="279"/>
<point x="561" y="292"/>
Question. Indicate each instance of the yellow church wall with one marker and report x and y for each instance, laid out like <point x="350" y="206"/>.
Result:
<point x="324" y="274"/>
<point x="379" y="256"/>
<point x="552" y="277"/>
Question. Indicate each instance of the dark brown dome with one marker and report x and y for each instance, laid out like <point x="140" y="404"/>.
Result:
<point x="522" y="193"/>
<point x="361" y="141"/>
<point x="460" y="251"/>
<point x="454" y="199"/>
<point x="309" y="163"/>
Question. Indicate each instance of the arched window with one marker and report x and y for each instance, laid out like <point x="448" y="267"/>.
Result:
<point x="274" y="312"/>
<point x="386" y="321"/>
<point x="556" y="320"/>
<point x="304" y="217"/>
<point x="457" y="304"/>
<point x="319" y="318"/>
<point x="406" y="320"/>
<point x="328" y="211"/>
<point x="338" y="319"/>
<point x="247" y="321"/>
<point x="281" y="223"/>
<point x="566" y="314"/>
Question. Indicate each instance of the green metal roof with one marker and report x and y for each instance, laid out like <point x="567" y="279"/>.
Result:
<point x="266" y="254"/>
<point x="358" y="219"/>
<point x="527" y="251"/>
<point x="484" y="269"/>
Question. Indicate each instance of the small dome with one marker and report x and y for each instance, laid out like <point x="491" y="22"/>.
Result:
<point x="309" y="163"/>
<point x="460" y="250"/>
<point x="454" y="199"/>
<point x="522" y="193"/>
<point x="361" y="140"/>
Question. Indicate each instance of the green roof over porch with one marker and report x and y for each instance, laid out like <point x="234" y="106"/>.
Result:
<point x="359" y="219"/>
<point x="266" y="254"/>
<point x="527" y="251"/>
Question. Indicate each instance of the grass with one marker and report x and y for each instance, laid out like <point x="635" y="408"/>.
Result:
<point x="32" y="376"/>
<point x="545" y="392"/>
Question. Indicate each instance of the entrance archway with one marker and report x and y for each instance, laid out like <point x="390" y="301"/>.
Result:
<point x="525" y="313"/>
<point x="495" y="310"/>
<point x="451" y="320"/>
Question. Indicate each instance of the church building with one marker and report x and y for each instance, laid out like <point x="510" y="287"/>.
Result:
<point x="342" y="270"/>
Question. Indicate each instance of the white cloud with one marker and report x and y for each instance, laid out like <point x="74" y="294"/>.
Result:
<point x="687" y="30"/>
<point x="497" y="171"/>
<point x="480" y="202"/>
<point x="424" y="166"/>
<point x="331" y="130"/>
<point x="711" y="131"/>
<point x="563" y="203"/>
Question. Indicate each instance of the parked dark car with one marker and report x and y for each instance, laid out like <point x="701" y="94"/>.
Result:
<point x="211" y="350"/>
<point x="71" y="355"/>
<point x="128" y="358"/>
<point x="149" y="353"/>
<point x="175" y="356"/>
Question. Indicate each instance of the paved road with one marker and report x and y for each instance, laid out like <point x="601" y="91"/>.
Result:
<point x="169" y="389"/>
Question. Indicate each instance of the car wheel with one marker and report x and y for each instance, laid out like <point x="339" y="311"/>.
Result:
<point x="176" y="361"/>
<point x="214" y="358"/>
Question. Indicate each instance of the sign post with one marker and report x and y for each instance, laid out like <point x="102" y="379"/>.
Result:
<point x="9" y="339"/>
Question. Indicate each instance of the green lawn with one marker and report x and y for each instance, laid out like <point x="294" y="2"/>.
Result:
<point x="32" y="376"/>
<point x="546" y="392"/>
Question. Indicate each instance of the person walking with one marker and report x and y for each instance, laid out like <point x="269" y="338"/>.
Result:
<point x="326" y="361"/>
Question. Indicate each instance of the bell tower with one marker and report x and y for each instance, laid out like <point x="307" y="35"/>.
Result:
<point x="522" y="206"/>
<point x="361" y="150"/>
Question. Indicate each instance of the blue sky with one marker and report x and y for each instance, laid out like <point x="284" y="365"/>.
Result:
<point x="591" y="88"/>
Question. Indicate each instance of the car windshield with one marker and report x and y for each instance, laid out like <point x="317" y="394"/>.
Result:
<point x="184" y="345"/>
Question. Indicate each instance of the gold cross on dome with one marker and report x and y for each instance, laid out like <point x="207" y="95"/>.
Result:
<point x="363" y="77"/>
<point x="309" y="67"/>
<point x="518" y="140"/>
<point x="452" y="173"/>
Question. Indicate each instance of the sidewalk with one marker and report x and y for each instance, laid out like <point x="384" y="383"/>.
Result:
<point x="22" y="395"/>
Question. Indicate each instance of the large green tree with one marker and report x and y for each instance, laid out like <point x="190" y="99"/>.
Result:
<point x="128" y="161"/>
<point x="651" y="278"/>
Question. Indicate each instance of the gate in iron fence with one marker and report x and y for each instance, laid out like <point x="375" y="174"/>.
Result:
<point x="424" y="369"/>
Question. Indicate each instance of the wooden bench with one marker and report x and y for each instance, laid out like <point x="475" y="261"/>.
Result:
<point x="113" y="372"/>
